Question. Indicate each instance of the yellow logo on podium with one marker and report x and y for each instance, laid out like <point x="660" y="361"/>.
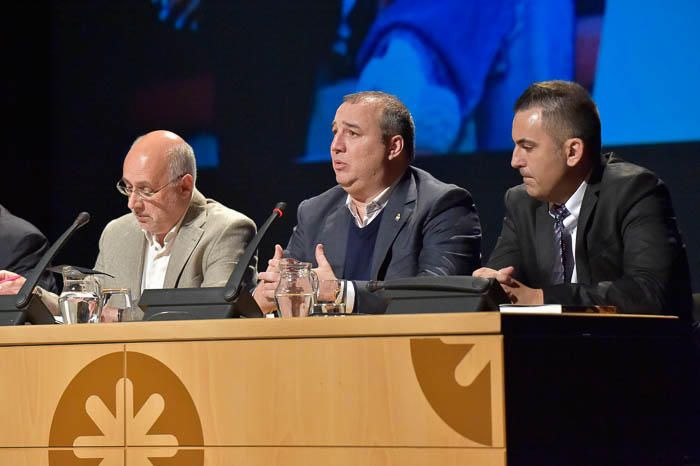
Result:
<point x="144" y="418"/>
<point x="463" y="403"/>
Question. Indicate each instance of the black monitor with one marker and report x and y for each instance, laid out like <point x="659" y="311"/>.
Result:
<point x="33" y="313"/>
<point x="458" y="293"/>
<point x="196" y="303"/>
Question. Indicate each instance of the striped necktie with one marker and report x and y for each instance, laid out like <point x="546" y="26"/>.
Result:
<point x="562" y="267"/>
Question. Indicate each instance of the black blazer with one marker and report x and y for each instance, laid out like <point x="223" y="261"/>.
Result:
<point x="427" y="228"/>
<point x="629" y="252"/>
<point x="21" y="247"/>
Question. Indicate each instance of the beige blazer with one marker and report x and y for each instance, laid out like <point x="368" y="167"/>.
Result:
<point x="207" y="247"/>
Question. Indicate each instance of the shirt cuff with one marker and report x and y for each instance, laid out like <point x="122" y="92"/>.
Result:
<point x="349" y="296"/>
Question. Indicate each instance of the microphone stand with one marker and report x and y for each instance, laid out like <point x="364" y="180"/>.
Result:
<point x="233" y="286"/>
<point x="16" y="310"/>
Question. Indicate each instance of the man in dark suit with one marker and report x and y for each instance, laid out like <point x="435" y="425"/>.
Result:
<point x="21" y="247"/>
<point x="385" y="219"/>
<point x="584" y="229"/>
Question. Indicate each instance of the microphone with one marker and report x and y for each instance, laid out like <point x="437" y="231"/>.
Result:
<point x="233" y="286"/>
<point x="25" y="293"/>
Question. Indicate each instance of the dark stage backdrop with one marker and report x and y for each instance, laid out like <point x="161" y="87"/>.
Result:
<point x="250" y="85"/>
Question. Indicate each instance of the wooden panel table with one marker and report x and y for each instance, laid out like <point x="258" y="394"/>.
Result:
<point x="371" y="390"/>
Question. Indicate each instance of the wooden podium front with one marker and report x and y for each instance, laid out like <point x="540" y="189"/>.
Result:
<point x="355" y="390"/>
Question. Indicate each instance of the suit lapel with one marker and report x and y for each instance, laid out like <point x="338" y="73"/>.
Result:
<point x="590" y="200"/>
<point x="336" y="229"/>
<point x="394" y="217"/>
<point x="135" y="237"/>
<point x="191" y="231"/>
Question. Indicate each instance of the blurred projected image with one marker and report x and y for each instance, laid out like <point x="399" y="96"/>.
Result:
<point x="459" y="65"/>
<point x="648" y="72"/>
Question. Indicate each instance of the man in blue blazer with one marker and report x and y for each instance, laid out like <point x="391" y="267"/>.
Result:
<point x="385" y="219"/>
<point x="584" y="229"/>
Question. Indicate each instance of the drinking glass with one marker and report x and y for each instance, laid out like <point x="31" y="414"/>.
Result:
<point x="331" y="297"/>
<point x="117" y="305"/>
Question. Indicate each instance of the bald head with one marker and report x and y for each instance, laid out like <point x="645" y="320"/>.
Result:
<point x="160" y="162"/>
<point x="166" y="147"/>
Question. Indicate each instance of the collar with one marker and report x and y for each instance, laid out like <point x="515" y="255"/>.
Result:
<point x="167" y="241"/>
<point x="373" y="207"/>
<point x="573" y="205"/>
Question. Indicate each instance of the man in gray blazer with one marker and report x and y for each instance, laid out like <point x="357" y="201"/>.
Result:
<point x="173" y="237"/>
<point x="385" y="219"/>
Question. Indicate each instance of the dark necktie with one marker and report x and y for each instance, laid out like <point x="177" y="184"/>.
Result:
<point x="563" y="262"/>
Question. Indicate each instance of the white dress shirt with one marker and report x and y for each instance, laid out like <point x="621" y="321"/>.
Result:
<point x="373" y="209"/>
<point x="157" y="257"/>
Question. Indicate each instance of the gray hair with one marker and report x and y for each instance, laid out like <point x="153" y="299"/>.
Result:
<point x="181" y="161"/>
<point x="395" y="118"/>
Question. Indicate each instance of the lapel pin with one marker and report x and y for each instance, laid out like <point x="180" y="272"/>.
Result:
<point x="398" y="217"/>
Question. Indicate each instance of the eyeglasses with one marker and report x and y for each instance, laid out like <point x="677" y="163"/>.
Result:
<point x="143" y="193"/>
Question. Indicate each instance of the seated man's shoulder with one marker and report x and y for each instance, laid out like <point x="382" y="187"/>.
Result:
<point x="16" y="228"/>
<point x="430" y="190"/>
<point x="621" y="176"/>
<point x="517" y="195"/>
<point x="219" y="213"/>
<point x="126" y="221"/>
<point x="326" y="199"/>
<point x="624" y="184"/>
<point x="428" y="183"/>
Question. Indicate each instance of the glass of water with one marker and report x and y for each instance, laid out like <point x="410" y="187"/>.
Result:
<point x="117" y="306"/>
<point x="331" y="297"/>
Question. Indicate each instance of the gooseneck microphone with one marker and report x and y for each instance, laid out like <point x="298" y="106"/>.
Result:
<point x="25" y="293"/>
<point x="233" y="286"/>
